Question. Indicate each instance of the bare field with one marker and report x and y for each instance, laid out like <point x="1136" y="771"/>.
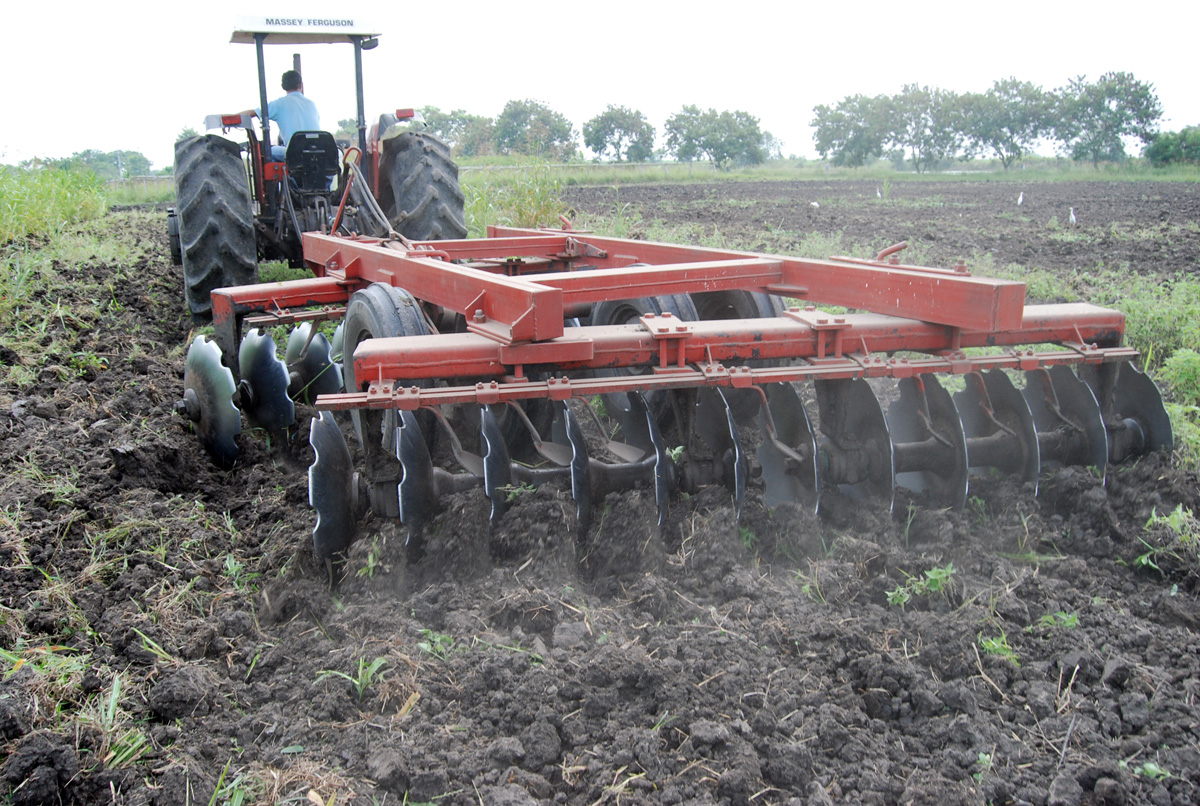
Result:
<point x="172" y="643"/>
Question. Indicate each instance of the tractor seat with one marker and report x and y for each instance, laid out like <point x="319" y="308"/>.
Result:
<point x="312" y="160"/>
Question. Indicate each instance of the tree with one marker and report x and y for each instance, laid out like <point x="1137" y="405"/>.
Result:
<point x="727" y="138"/>
<point x="1174" y="148"/>
<point x="1007" y="120"/>
<point x="854" y="132"/>
<point x="928" y="124"/>
<point x="466" y="134"/>
<point x="347" y="129"/>
<point x="187" y="132"/>
<point x="106" y="164"/>
<point x="532" y="128"/>
<point x="1092" y="121"/>
<point x="624" y="132"/>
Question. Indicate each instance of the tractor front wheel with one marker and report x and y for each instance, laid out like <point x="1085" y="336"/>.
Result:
<point x="214" y="218"/>
<point x="420" y="189"/>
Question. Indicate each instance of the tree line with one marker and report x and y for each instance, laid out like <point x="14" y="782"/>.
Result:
<point x="104" y="164"/>
<point x="1087" y="121"/>
<point x="530" y="128"/>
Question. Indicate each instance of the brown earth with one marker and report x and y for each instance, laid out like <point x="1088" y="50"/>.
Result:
<point x="712" y="662"/>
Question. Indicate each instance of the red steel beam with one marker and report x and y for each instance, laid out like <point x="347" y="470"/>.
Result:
<point x="393" y="395"/>
<point x="531" y="307"/>
<point x="800" y="335"/>
<point x="945" y="298"/>
<point x="506" y="309"/>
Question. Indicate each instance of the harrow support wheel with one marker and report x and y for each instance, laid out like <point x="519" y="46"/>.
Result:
<point x="660" y="404"/>
<point x="734" y="306"/>
<point x="380" y="311"/>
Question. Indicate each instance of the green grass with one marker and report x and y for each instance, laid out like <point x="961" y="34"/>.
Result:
<point x="40" y="202"/>
<point x="142" y="190"/>
<point x="526" y="196"/>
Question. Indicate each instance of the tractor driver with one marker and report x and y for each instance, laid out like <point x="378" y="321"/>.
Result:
<point x="293" y="113"/>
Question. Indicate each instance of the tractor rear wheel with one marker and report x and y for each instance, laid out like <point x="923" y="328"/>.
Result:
<point x="419" y="187"/>
<point x="215" y="219"/>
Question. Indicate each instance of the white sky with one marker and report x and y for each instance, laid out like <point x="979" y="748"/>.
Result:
<point x="132" y="75"/>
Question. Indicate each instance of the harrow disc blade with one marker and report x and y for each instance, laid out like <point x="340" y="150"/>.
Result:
<point x="664" y="466"/>
<point x="208" y="397"/>
<point x="999" y="426"/>
<point x="330" y="493"/>
<point x="417" y="498"/>
<point x="1135" y="404"/>
<point x="335" y="344"/>
<point x="717" y="427"/>
<point x="497" y="472"/>
<point x="925" y="426"/>
<point x="857" y="446"/>
<point x="1069" y="424"/>
<point x="789" y="453"/>
<point x="309" y="357"/>
<point x="266" y="379"/>
<point x="581" y="481"/>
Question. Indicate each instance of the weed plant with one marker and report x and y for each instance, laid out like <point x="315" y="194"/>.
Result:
<point x="528" y="197"/>
<point x="933" y="581"/>
<point x="142" y="190"/>
<point x="40" y="202"/>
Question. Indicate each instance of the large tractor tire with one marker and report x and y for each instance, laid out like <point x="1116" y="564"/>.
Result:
<point x="419" y="187"/>
<point x="215" y="219"/>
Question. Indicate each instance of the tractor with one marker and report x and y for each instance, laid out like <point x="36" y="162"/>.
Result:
<point x="236" y="205"/>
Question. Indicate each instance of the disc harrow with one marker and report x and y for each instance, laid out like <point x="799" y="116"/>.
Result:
<point x="599" y="365"/>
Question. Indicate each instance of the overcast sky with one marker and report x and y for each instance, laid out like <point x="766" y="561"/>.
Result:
<point x="132" y="75"/>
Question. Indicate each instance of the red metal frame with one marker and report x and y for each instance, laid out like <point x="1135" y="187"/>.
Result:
<point x="516" y="288"/>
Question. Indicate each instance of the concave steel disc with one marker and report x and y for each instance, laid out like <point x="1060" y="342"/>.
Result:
<point x="852" y="421"/>
<point x="999" y="426"/>
<point x="316" y="371"/>
<point x="789" y="460"/>
<point x="717" y="427"/>
<point x="208" y="390"/>
<point x="925" y="426"/>
<point x="269" y="406"/>
<point x="1067" y="417"/>
<point x="330" y="493"/>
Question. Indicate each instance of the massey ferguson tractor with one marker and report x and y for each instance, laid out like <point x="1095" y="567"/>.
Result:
<point x="236" y="205"/>
<point x="480" y="364"/>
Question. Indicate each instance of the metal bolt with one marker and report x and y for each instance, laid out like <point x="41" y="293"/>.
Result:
<point x="479" y="316"/>
<point x="960" y="267"/>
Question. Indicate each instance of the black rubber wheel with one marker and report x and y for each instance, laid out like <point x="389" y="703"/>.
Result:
<point x="714" y="306"/>
<point x="173" y="237"/>
<point x="419" y="187"/>
<point x="216" y="220"/>
<point x="626" y="312"/>
<point x="380" y="311"/>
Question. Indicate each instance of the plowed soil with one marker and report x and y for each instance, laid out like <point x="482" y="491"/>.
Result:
<point x="711" y="661"/>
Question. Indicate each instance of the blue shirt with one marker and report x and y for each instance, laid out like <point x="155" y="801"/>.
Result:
<point x="294" y="113"/>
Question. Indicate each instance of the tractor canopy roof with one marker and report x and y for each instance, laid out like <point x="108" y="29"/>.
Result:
<point x="303" y="29"/>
